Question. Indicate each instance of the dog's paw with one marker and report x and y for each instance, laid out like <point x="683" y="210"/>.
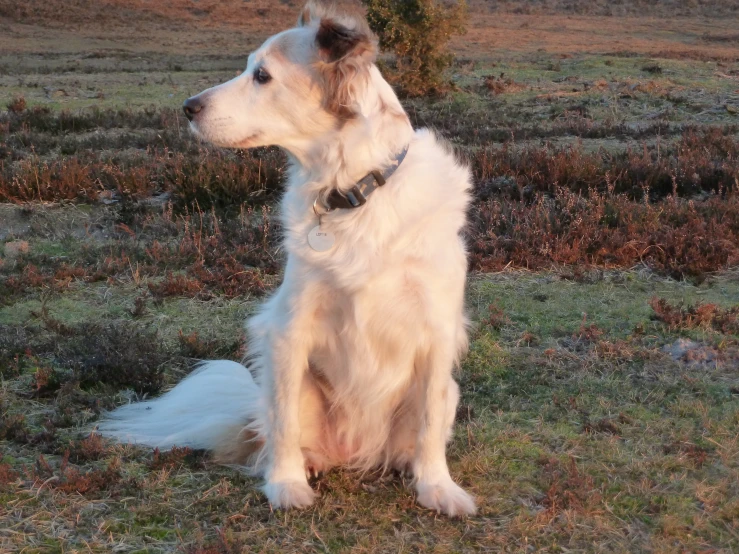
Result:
<point x="289" y="494"/>
<point x="446" y="497"/>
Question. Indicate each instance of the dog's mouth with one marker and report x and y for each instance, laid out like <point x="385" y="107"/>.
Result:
<point x="218" y="134"/>
<point x="249" y="141"/>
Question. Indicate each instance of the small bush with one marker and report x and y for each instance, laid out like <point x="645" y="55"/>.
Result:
<point x="418" y="32"/>
<point x="17" y="104"/>
<point x="71" y="480"/>
<point x="121" y="355"/>
<point x="13" y="428"/>
<point x="7" y="474"/>
<point x="89" y="449"/>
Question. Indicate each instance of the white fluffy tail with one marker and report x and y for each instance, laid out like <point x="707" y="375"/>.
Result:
<point x="208" y="407"/>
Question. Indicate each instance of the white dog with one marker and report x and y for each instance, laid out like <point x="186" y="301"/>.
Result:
<point x="352" y="356"/>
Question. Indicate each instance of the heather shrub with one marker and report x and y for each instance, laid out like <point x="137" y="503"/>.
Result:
<point x="676" y="237"/>
<point x="17" y="104"/>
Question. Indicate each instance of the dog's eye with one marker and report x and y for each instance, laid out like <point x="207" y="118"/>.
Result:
<point x="261" y="76"/>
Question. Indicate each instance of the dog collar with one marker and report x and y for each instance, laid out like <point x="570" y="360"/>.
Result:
<point x="357" y="195"/>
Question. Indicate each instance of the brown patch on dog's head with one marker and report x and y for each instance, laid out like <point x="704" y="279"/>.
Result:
<point x="346" y="55"/>
<point x="336" y="41"/>
<point x="346" y="49"/>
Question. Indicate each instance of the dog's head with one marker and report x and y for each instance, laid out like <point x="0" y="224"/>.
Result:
<point x="299" y="85"/>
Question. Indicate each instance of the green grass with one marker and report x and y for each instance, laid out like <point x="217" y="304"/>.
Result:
<point x="576" y="431"/>
<point x="564" y="443"/>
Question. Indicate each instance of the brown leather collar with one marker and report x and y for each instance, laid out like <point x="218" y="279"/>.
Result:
<point x="357" y="195"/>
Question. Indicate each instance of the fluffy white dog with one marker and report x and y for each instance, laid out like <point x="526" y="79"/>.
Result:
<point x="352" y="356"/>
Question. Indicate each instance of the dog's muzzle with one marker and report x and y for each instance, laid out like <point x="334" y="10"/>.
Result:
<point x="192" y="107"/>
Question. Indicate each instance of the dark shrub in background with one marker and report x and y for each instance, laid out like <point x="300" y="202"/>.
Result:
<point x="418" y="32"/>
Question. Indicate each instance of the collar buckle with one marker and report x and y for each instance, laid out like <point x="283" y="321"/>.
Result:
<point x="355" y="197"/>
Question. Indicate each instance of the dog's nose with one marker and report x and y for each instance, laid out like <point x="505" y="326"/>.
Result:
<point x="192" y="107"/>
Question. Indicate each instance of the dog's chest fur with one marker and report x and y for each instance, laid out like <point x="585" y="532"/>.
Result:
<point x="394" y="260"/>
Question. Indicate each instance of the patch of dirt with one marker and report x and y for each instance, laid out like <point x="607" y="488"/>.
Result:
<point x="698" y="355"/>
<point x="235" y="26"/>
<point x="558" y="34"/>
<point x="503" y="85"/>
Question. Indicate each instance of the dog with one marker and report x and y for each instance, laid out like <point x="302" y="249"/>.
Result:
<point x="351" y="359"/>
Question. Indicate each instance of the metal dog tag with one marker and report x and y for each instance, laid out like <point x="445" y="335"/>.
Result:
<point x="321" y="241"/>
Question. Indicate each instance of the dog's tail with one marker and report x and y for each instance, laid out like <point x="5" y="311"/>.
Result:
<point x="215" y="408"/>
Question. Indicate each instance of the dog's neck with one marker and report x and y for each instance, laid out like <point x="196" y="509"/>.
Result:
<point x="369" y="141"/>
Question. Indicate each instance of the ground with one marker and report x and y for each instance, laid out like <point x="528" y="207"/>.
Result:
<point x="600" y="397"/>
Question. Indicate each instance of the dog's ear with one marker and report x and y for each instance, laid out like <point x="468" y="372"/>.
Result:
<point x="346" y="49"/>
<point x="315" y="10"/>
<point x="336" y="42"/>
<point x="304" y="17"/>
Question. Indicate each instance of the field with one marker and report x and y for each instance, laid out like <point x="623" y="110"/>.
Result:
<point x="600" y="397"/>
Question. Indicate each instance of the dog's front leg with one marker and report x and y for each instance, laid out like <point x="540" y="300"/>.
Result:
<point x="434" y="485"/>
<point x="286" y="361"/>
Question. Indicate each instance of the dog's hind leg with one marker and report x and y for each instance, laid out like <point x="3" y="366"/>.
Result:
<point x="242" y="444"/>
<point x="315" y="428"/>
<point x="434" y="485"/>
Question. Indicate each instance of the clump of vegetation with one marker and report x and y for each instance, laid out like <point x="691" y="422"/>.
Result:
<point x="418" y="32"/>
<point x="568" y="489"/>
<point x="89" y="449"/>
<point x="693" y="453"/>
<point x="47" y="380"/>
<point x="702" y="160"/>
<point x="178" y="285"/>
<point x="69" y="479"/>
<point x="17" y="104"/>
<point x="700" y="315"/>
<point x="193" y="346"/>
<point x="497" y="318"/>
<point x="13" y="427"/>
<point x="121" y="355"/>
<point x="175" y="458"/>
<point x="7" y="474"/>
<point x="14" y="341"/>
<point x="588" y="333"/>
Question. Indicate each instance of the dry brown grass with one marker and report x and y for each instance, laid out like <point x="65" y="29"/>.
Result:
<point x="674" y="237"/>
<point x="703" y="159"/>
<point x="205" y="179"/>
<point x="69" y="479"/>
<point x="700" y="315"/>
<point x="568" y="489"/>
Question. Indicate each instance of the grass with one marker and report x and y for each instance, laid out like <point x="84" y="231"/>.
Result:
<point x="573" y="435"/>
<point x="600" y="397"/>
